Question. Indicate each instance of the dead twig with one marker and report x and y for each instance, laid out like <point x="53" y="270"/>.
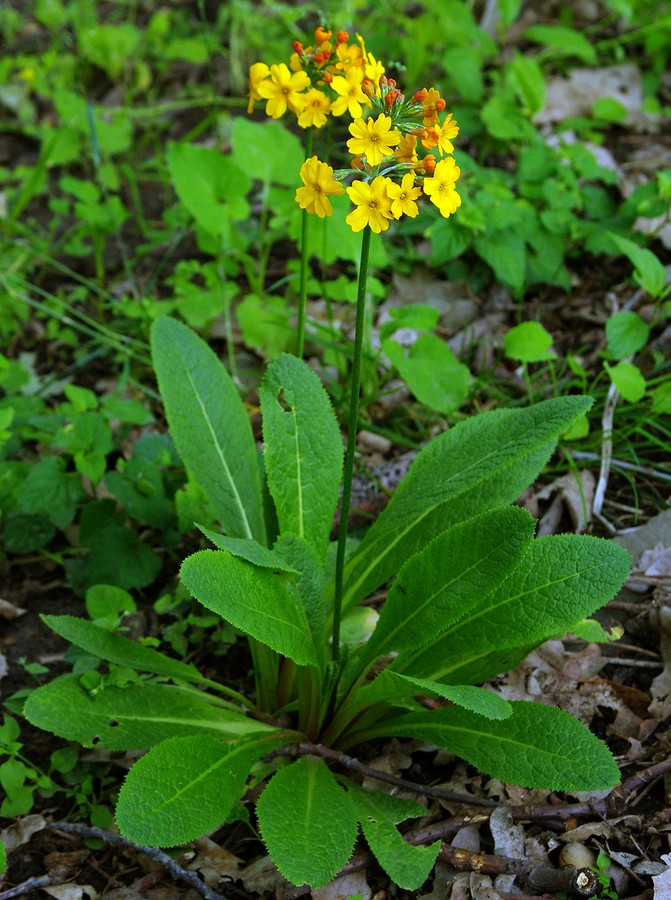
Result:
<point x="172" y="867"/>
<point x="537" y="876"/>
<point x="30" y="885"/>
<point x="350" y="762"/>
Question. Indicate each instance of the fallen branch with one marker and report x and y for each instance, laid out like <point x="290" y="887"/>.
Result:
<point x="171" y="866"/>
<point x="31" y="884"/>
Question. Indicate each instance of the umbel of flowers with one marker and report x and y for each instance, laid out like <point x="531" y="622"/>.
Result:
<point x="385" y="148"/>
<point x="400" y="148"/>
<point x="331" y="78"/>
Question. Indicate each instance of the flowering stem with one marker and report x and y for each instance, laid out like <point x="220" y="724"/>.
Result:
<point x="348" y="472"/>
<point x="303" y="280"/>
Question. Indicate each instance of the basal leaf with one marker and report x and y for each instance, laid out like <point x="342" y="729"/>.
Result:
<point x="210" y="427"/>
<point x="308" y="823"/>
<point x="308" y="587"/>
<point x="133" y="717"/>
<point x="562" y="579"/>
<point x="187" y="786"/>
<point x="438" y="585"/>
<point x="390" y="687"/>
<point x="120" y="650"/>
<point x="303" y="450"/>
<point x="432" y="372"/>
<point x="407" y="866"/>
<point x="249" y="549"/>
<point x="481" y="463"/>
<point x="257" y="601"/>
<point x="537" y="747"/>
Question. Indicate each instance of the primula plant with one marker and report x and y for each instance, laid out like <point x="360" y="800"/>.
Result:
<point x="470" y="590"/>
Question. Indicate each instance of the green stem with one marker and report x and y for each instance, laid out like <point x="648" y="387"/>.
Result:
<point x="348" y="472"/>
<point x="303" y="280"/>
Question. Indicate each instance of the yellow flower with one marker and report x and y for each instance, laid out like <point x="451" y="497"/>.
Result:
<point x="441" y="188"/>
<point x="348" y="55"/>
<point x="407" y="149"/>
<point x="257" y="73"/>
<point x="350" y="95"/>
<point x="372" y="205"/>
<point x="317" y="108"/>
<point x="283" y="90"/>
<point x="372" y="67"/>
<point x="448" y="130"/>
<point x="432" y="104"/>
<point x="319" y="182"/>
<point x="403" y="196"/>
<point x="374" y="140"/>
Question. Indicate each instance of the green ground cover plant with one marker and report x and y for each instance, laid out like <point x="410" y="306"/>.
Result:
<point x="127" y="236"/>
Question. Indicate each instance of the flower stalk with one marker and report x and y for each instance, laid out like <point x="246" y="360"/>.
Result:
<point x="353" y="419"/>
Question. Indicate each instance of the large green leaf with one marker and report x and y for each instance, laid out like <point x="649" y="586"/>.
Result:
<point x="187" y="786"/>
<point x="255" y="600"/>
<point x="307" y="822"/>
<point x="481" y="463"/>
<point x="407" y="866"/>
<point x="210" y="427"/>
<point x="394" y="689"/>
<point x="303" y="450"/>
<point x="120" y="650"/>
<point x="437" y="586"/>
<point x="131" y="718"/>
<point x="537" y="747"/>
<point x="209" y="184"/>
<point x="562" y="579"/>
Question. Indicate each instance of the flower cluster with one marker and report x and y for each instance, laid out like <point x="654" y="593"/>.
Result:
<point x="331" y="77"/>
<point x="385" y="149"/>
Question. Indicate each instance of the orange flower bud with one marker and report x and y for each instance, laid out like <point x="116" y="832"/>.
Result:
<point x="297" y="47"/>
<point x="391" y="82"/>
<point x="440" y="104"/>
<point x="420" y="96"/>
<point x="342" y="37"/>
<point x="328" y="78"/>
<point x="357" y="163"/>
<point x="368" y="87"/>
<point x="322" y="35"/>
<point x="429" y="163"/>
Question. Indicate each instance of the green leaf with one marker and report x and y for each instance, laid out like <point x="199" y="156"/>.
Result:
<point x="390" y="686"/>
<point x="407" y="866"/>
<point x="265" y="322"/>
<point x="505" y="252"/>
<point x="649" y="271"/>
<point x="303" y="450"/>
<point x="481" y="463"/>
<point x="566" y="41"/>
<point x="437" y="586"/>
<point x="528" y="342"/>
<point x="210" y="185"/>
<point x="210" y="426"/>
<point x="257" y="601"/>
<point x="537" y="747"/>
<point x="560" y="580"/>
<point x="609" y="109"/>
<point x="133" y="717"/>
<point x="528" y="81"/>
<point x="626" y="334"/>
<point x="268" y="149"/>
<point x="120" y="650"/>
<point x="246" y="548"/>
<point x="308" y="822"/>
<point x="108" y="601"/>
<point x="628" y="379"/>
<point x="187" y="786"/>
<point x="3" y="857"/>
<point x="308" y="588"/>
<point x="432" y="372"/>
